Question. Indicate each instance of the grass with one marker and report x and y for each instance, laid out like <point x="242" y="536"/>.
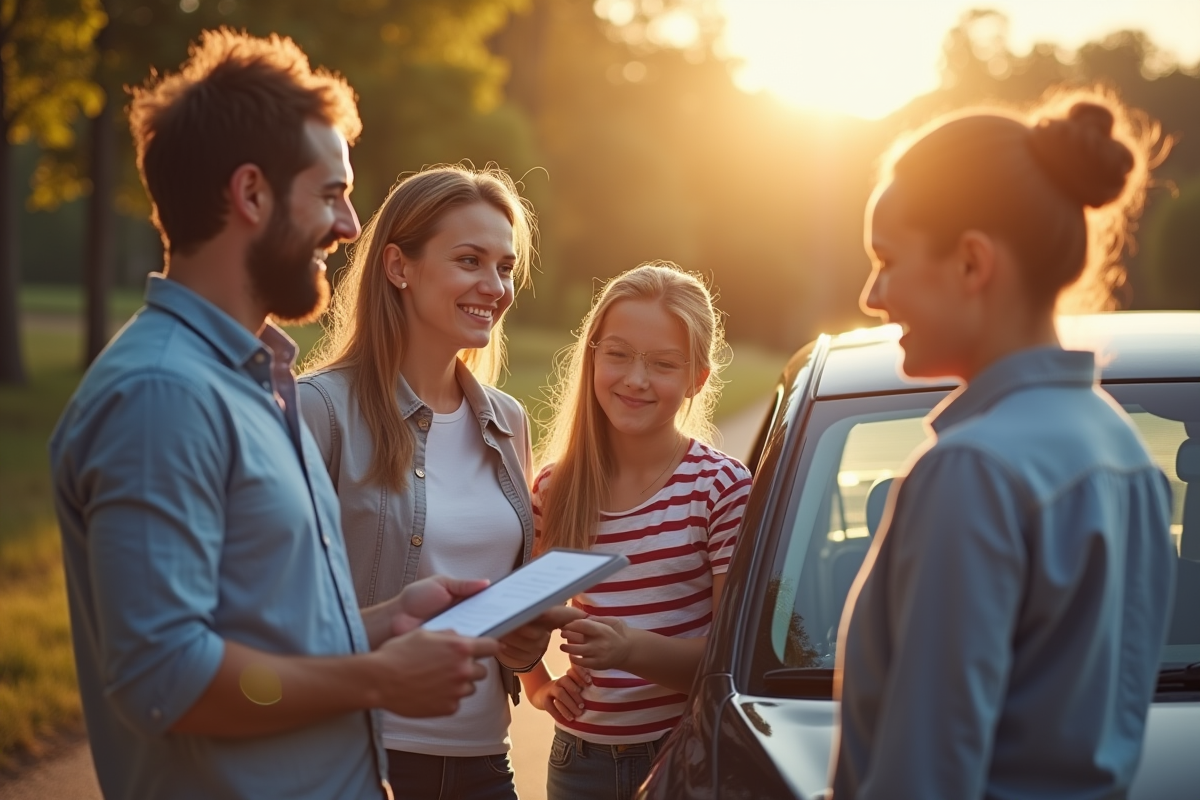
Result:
<point x="38" y="695"/>
<point x="69" y="301"/>
<point x="37" y="673"/>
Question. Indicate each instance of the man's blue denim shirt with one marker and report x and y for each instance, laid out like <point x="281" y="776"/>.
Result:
<point x="194" y="509"/>
<point x="1005" y="640"/>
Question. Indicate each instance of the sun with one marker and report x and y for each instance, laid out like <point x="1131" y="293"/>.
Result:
<point x="864" y="59"/>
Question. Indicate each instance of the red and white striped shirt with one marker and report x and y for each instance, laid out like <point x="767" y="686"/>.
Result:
<point x="676" y="542"/>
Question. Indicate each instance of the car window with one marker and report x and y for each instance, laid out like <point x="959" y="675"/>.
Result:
<point x="1168" y="417"/>
<point x="853" y="449"/>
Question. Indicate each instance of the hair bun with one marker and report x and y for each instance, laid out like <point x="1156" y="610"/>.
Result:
<point x="1080" y="156"/>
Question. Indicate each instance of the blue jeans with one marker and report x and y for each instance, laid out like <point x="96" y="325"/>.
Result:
<point x="415" y="776"/>
<point x="581" y="770"/>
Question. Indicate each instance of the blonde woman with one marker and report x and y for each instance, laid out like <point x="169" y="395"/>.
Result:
<point x="630" y="471"/>
<point x="430" y="461"/>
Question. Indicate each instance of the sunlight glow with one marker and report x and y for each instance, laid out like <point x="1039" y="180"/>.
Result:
<point x="867" y="58"/>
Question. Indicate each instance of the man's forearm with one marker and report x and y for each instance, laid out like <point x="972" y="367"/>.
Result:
<point x="255" y="693"/>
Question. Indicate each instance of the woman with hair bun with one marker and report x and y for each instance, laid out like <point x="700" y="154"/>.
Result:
<point x="1002" y="639"/>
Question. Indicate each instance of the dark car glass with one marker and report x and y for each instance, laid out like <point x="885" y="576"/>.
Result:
<point x="851" y="451"/>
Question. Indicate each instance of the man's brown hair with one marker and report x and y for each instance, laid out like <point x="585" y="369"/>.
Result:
<point x="238" y="99"/>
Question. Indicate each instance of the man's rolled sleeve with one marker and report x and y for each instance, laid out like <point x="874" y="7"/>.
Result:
<point x="957" y="582"/>
<point x="152" y="481"/>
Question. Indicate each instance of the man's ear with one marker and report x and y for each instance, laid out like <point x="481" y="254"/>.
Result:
<point x="976" y="255"/>
<point x="250" y="197"/>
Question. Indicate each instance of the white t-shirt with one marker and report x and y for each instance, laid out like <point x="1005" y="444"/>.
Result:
<point x="471" y="531"/>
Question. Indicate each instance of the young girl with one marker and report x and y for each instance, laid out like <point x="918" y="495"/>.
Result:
<point x="629" y="472"/>
<point x="1003" y="638"/>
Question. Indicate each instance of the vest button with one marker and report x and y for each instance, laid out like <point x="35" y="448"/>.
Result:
<point x="423" y="424"/>
<point x="416" y="540"/>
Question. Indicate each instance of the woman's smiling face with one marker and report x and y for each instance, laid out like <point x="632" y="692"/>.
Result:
<point x="637" y="399"/>
<point x="911" y="286"/>
<point x="462" y="283"/>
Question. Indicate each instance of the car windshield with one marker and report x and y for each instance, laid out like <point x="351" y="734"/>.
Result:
<point x="853" y="449"/>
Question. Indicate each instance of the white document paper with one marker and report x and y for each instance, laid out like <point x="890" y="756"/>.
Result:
<point x="524" y="594"/>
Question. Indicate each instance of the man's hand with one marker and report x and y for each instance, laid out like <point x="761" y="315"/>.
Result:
<point x="562" y="698"/>
<point x="528" y="643"/>
<point x="428" y="597"/>
<point x="598" y="642"/>
<point x="426" y="673"/>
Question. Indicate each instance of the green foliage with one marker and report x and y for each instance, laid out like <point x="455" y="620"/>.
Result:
<point x="1172" y="248"/>
<point x="47" y="51"/>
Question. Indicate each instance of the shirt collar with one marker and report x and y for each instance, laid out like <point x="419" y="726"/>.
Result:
<point x="1037" y="366"/>
<point x="238" y="345"/>
<point x="477" y="398"/>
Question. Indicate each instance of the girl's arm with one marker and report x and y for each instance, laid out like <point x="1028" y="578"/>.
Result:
<point x="608" y="643"/>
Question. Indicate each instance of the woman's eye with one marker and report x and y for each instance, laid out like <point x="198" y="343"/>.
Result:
<point x="507" y="269"/>
<point x="471" y="260"/>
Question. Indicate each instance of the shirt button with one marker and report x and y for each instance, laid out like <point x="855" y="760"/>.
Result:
<point x="260" y="358"/>
<point x="325" y="540"/>
<point x="155" y="714"/>
<point x="423" y="424"/>
<point x="420" y="472"/>
<point x="266" y="385"/>
<point x="416" y="540"/>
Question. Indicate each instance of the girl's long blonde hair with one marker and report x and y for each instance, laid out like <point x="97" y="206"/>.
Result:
<point x="366" y="331"/>
<point x="575" y="440"/>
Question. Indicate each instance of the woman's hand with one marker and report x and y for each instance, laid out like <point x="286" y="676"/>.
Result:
<point x="426" y="598"/>
<point x="562" y="698"/>
<point x="528" y="643"/>
<point x="598" y="642"/>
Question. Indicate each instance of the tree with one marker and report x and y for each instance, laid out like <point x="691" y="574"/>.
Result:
<point x="46" y="56"/>
<point x="1172" y="249"/>
<point x="428" y="85"/>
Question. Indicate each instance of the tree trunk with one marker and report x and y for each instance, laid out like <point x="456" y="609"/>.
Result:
<point x="97" y="258"/>
<point x="12" y="366"/>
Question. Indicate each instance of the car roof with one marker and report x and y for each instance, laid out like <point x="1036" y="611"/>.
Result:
<point x="1129" y="346"/>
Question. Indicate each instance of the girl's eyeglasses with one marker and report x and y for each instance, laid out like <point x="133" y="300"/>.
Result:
<point x="616" y="354"/>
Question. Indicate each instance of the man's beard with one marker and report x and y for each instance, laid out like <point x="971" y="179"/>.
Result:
<point x="282" y="275"/>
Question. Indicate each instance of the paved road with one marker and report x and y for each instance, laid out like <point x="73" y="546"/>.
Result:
<point x="70" y="773"/>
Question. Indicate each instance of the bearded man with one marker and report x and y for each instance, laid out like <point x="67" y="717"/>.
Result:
<point x="219" y="646"/>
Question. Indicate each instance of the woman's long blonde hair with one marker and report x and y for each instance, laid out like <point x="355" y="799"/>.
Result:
<point x="366" y="331"/>
<point x="575" y="440"/>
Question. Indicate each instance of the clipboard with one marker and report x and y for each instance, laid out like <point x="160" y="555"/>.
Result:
<point x="548" y="580"/>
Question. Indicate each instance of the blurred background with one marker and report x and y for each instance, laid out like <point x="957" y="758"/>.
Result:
<point x="739" y="138"/>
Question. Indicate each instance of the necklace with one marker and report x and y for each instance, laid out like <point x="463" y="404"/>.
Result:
<point x="671" y="461"/>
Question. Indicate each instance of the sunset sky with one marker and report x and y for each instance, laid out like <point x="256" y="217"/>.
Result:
<point x="869" y="57"/>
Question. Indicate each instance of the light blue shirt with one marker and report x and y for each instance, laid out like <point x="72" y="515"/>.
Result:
<point x="195" y="509"/>
<point x="1005" y="642"/>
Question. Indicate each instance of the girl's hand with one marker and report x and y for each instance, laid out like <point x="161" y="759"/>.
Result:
<point x="598" y="642"/>
<point x="562" y="698"/>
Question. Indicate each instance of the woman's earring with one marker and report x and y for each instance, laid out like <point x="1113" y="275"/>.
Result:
<point x="403" y="284"/>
